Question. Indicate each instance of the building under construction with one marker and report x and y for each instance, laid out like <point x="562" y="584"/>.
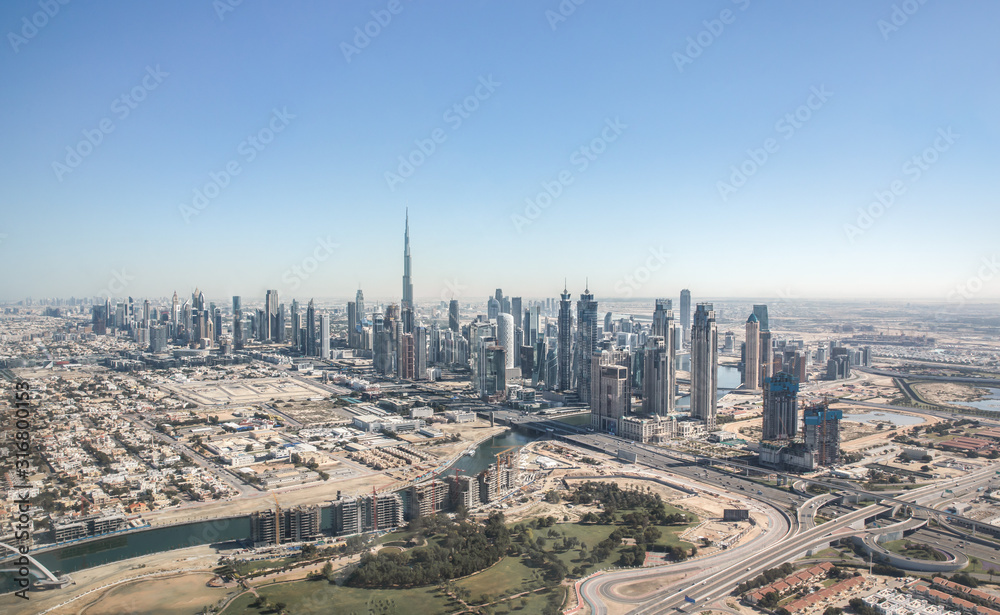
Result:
<point x="496" y="480"/>
<point x="366" y="513"/>
<point x="463" y="491"/>
<point x="299" y="524"/>
<point x="427" y="498"/>
<point x="822" y="433"/>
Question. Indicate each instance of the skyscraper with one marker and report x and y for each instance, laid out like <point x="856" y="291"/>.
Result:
<point x="238" y="340"/>
<point x="352" y="326"/>
<point x="324" y="336"/>
<point x="359" y="302"/>
<point x="271" y="316"/>
<point x="586" y="326"/>
<point x="760" y="311"/>
<point x="565" y="341"/>
<point x="296" y="325"/>
<point x="453" y="318"/>
<point x="659" y="376"/>
<point x="751" y="358"/>
<point x="407" y="280"/>
<point x="505" y="337"/>
<point x="516" y="312"/>
<point x="781" y="407"/>
<point x="704" y="363"/>
<point x="685" y="314"/>
<point x="662" y="307"/>
<point x="310" y="329"/>
<point x="173" y="309"/>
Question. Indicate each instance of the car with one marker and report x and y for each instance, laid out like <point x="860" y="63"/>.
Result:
<point x="748" y="568"/>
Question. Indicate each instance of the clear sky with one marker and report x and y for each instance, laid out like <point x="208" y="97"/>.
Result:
<point x="668" y="98"/>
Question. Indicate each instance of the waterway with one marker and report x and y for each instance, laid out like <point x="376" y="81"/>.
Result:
<point x="728" y="378"/>
<point x="990" y="403"/>
<point x="73" y="557"/>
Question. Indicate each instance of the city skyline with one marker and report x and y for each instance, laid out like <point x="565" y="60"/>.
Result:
<point x="545" y="128"/>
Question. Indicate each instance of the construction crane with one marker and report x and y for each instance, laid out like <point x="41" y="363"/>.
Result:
<point x="506" y="456"/>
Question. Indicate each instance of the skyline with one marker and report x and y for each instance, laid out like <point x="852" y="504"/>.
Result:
<point x="531" y="90"/>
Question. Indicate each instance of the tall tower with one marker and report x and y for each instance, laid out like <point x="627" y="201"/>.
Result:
<point x="238" y="341"/>
<point x="685" y="315"/>
<point x="173" y="309"/>
<point x="704" y="363"/>
<point x="659" y="376"/>
<point x="660" y="317"/>
<point x="311" y="329"/>
<point x="407" y="280"/>
<point x="453" y="322"/>
<point x="781" y="407"/>
<point x="565" y="332"/>
<point x="751" y="360"/>
<point x="586" y="324"/>
<point x="505" y="337"/>
<point x="359" y="301"/>
<point x="271" y="316"/>
<point x="324" y="336"/>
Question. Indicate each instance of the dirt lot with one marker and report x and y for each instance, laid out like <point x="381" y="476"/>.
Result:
<point x="947" y="392"/>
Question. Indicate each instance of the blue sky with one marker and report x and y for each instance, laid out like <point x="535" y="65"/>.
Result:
<point x="685" y="113"/>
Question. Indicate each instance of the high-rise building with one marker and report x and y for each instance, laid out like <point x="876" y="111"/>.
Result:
<point x="174" y="308"/>
<point x="659" y="376"/>
<point x="359" y="303"/>
<point x="704" y="364"/>
<point x="324" y="336"/>
<point x="406" y="365"/>
<point x="685" y="315"/>
<point x="505" y="337"/>
<point x="533" y="316"/>
<point x="662" y="307"/>
<point x="238" y="339"/>
<point x="751" y="352"/>
<point x="420" y="352"/>
<point x="821" y="432"/>
<point x="352" y="324"/>
<point x="407" y="280"/>
<point x="613" y="393"/>
<point x="587" y="338"/>
<point x="760" y="311"/>
<point x="296" y="325"/>
<point x="310" y="329"/>
<point x="565" y="347"/>
<point x="781" y="407"/>
<point x="766" y="355"/>
<point x="516" y="312"/>
<point x="492" y="308"/>
<point x="453" y="316"/>
<point x="271" y="316"/>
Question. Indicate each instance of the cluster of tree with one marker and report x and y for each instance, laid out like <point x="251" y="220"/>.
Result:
<point x="464" y="548"/>
<point x="965" y="579"/>
<point x="766" y="578"/>
<point x="858" y="606"/>
<point x="888" y="571"/>
<point x="769" y="600"/>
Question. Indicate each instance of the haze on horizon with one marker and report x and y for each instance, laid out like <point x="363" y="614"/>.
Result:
<point x="602" y="145"/>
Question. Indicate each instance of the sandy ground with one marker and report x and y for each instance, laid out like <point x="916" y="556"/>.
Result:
<point x="946" y="392"/>
<point x="180" y="595"/>
<point x="324" y="491"/>
<point x="203" y="558"/>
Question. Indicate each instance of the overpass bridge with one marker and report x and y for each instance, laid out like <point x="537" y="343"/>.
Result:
<point x="48" y="580"/>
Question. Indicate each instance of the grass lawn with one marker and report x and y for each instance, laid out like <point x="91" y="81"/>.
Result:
<point x="912" y="549"/>
<point x="320" y="597"/>
<point x="510" y="575"/>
